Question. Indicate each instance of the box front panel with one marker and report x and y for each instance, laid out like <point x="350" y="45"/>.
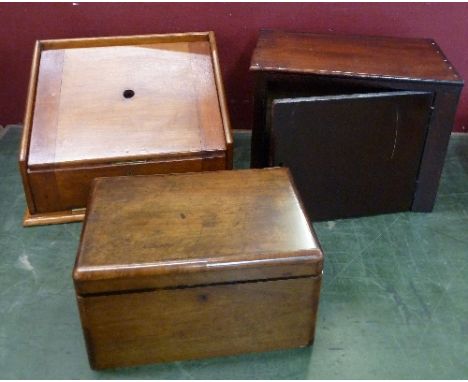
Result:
<point x="66" y="189"/>
<point x="197" y="322"/>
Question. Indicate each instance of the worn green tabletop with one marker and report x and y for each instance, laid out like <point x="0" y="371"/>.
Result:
<point x="394" y="301"/>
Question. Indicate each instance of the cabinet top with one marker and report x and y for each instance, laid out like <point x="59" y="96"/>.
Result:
<point x="353" y="56"/>
<point x="125" y="98"/>
<point x="192" y="229"/>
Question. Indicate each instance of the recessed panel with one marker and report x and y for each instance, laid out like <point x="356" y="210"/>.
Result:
<point x="125" y="102"/>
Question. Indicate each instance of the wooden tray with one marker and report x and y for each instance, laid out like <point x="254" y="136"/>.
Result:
<point x="119" y="106"/>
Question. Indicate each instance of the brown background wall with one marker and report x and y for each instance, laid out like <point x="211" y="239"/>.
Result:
<point x="236" y="27"/>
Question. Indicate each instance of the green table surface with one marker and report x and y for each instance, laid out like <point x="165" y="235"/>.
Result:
<point x="394" y="301"/>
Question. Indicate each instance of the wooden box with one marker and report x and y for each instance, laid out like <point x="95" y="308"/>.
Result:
<point x="185" y="266"/>
<point x="119" y="106"/>
<point x="362" y="122"/>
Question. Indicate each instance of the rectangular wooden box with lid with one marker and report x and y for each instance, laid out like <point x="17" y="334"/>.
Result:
<point x="185" y="266"/>
<point x="362" y="122"/>
<point x="118" y="106"/>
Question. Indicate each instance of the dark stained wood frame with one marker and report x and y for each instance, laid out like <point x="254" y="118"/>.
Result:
<point x="31" y="218"/>
<point x="445" y="101"/>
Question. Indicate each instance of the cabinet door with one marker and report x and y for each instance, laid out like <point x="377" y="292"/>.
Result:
<point x="351" y="155"/>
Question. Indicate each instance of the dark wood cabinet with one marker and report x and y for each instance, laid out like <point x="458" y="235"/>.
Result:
<point x="363" y="123"/>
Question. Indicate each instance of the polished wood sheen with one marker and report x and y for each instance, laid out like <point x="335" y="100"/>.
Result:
<point x="174" y="223"/>
<point x="191" y="323"/>
<point x="303" y="73"/>
<point x="361" y="56"/>
<point x="74" y="97"/>
<point x="154" y="103"/>
<point x="186" y="266"/>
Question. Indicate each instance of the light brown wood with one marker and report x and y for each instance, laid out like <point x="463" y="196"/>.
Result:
<point x="62" y="188"/>
<point x="78" y="118"/>
<point x="222" y="100"/>
<point x="60" y="217"/>
<point x="24" y="145"/>
<point x="355" y="56"/>
<point x="82" y="116"/>
<point x="186" y="266"/>
<point x="95" y="42"/>
<point x="43" y="144"/>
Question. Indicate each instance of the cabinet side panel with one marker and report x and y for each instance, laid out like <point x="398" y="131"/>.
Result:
<point x="199" y="322"/>
<point x="85" y="327"/>
<point x="259" y="144"/>
<point x="215" y="163"/>
<point x="45" y="191"/>
<point x="435" y="149"/>
<point x="26" y="186"/>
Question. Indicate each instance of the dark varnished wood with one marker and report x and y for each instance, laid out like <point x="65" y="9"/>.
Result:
<point x="187" y="266"/>
<point x="358" y="56"/>
<point x="176" y="222"/>
<point x="441" y="125"/>
<point x="78" y="118"/>
<point x="191" y="323"/>
<point x="289" y="65"/>
<point x="363" y="173"/>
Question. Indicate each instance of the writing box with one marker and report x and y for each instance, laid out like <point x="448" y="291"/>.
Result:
<point x="118" y="106"/>
<point x="185" y="266"/>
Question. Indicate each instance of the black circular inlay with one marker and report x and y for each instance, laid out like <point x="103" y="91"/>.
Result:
<point x="128" y="93"/>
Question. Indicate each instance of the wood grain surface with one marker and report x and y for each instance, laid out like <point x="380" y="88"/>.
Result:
<point x="191" y="323"/>
<point x="309" y="65"/>
<point x="360" y="56"/>
<point x="81" y="114"/>
<point x="194" y="228"/>
<point x="118" y="106"/>
<point x="186" y="266"/>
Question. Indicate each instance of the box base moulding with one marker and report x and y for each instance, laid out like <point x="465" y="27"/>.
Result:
<point x="60" y="217"/>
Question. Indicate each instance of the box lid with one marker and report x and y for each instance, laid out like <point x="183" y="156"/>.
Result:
<point x="125" y="98"/>
<point x="180" y="230"/>
<point x="355" y="56"/>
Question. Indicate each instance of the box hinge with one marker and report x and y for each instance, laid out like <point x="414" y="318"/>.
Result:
<point x="130" y="162"/>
